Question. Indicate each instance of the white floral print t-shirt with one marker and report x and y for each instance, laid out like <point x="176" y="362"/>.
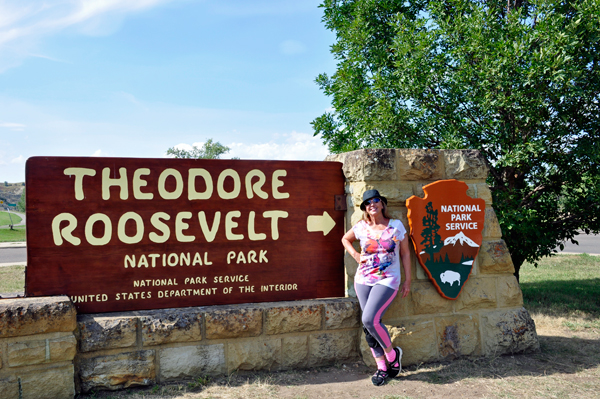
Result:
<point x="380" y="254"/>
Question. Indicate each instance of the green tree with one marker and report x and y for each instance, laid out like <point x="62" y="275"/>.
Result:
<point x="517" y="80"/>
<point x="209" y="150"/>
<point x="21" y="204"/>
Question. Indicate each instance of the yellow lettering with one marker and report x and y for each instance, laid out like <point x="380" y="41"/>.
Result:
<point x="252" y="235"/>
<point x="252" y="257"/>
<point x="160" y="226"/>
<point x="153" y="257"/>
<point x="276" y="183"/>
<point x="89" y="226"/>
<point x="236" y="184"/>
<point x="138" y="183"/>
<point x="66" y="232"/>
<point x="255" y="188"/>
<point x="139" y="226"/>
<point x="143" y="261"/>
<point x="162" y="179"/>
<point x="108" y="182"/>
<point x="172" y="260"/>
<point x="230" y="256"/>
<point x="241" y="258"/>
<point x="209" y="234"/>
<point x="192" y="193"/>
<point x="129" y="261"/>
<point x="230" y="225"/>
<point x="197" y="259"/>
<point x="275" y="216"/>
<point x="180" y="225"/>
<point x="184" y="258"/>
<point x="79" y="174"/>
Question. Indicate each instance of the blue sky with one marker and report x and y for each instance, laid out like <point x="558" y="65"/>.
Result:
<point x="131" y="78"/>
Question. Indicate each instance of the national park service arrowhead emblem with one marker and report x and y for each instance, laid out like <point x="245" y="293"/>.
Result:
<point x="445" y="227"/>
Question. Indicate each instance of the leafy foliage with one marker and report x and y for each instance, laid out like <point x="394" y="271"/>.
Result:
<point x="21" y="206"/>
<point x="209" y="150"/>
<point x="518" y="81"/>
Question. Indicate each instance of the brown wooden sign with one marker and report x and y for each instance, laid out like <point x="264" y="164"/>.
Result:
<point x="126" y="234"/>
<point x="445" y="227"/>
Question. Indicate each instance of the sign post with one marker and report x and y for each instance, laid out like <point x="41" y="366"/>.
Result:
<point x="119" y="234"/>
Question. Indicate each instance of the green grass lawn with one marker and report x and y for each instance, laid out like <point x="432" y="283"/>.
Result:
<point x="563" y="285"/>
<point x="12" y="279"/>
<point x="17" y="234"/>
<point x="5" y="218"/>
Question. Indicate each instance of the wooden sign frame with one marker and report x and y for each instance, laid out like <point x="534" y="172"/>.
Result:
<point x="118" y="234"/>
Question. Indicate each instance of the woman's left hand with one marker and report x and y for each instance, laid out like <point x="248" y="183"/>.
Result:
<point x="405" y="288"/>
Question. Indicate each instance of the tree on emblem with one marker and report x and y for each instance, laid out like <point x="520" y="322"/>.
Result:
<point x="431" y="239"/>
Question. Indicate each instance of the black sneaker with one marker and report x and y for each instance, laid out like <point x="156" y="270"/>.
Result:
<point x="379" y="377"/>
<point x="396" y="365"/>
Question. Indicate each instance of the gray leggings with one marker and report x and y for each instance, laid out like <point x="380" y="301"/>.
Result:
<point x="374" y="301"/>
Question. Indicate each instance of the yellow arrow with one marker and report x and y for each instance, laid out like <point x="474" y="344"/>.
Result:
<point x="320" y="223"/>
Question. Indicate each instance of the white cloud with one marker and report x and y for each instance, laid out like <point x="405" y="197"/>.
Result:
<point x="188" y="147"/>
<point x="296" y="147"/>
<point x="292" y="47"/>
<point x="19" y="159"/>
<point x="24" y="23"/>
<point x="292" y="146"/>
<point x="98" y="153"/>
<point x="17" y="127"/>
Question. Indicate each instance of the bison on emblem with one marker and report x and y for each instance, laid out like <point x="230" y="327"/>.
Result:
<point x="450" y="277"/>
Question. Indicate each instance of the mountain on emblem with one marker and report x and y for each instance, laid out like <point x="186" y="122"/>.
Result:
<point x="445" y="227"/>
<point x="462" y="239"/>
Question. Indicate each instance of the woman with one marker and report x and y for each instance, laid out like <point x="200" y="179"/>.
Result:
<point x="383" y="241"/>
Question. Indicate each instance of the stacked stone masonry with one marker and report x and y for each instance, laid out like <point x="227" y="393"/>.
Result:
<point x="488" y="317"/>
<point x="121" y="350"/>
<point x="47" y="351"/>
<point x="37" y="348"/>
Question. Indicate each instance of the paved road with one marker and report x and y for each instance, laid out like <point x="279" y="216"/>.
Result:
<point x="589" y="244"/>
<point x="13" y="254"/>
<point x="9" y="255"/>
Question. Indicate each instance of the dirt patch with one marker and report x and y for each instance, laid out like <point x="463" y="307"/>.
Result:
<point x="568" y="366"/>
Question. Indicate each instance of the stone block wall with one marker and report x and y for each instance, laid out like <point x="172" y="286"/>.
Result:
<point x="47" y="351"/>
<point x="120" y="350"/>
<point x="37" y="347"/>
<point x="488" y="317"/>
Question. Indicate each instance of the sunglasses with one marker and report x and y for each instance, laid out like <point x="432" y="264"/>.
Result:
<point x="372" y="201"/>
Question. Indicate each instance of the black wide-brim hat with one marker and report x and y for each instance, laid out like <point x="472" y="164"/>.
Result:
<point x="367" y="195"/>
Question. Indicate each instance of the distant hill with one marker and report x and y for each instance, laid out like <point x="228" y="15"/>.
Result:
<point x="11" y="192"/>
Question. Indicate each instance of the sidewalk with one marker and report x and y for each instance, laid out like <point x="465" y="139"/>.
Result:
<point x="20" y="244"/>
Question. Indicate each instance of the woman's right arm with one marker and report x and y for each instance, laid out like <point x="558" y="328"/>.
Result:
<point x="347" y="241"/>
